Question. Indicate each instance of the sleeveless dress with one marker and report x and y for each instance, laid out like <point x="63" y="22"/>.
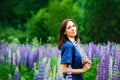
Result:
<point x="71" y="55"/>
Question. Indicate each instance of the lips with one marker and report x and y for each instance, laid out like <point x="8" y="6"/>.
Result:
<point x="73" y="32"/>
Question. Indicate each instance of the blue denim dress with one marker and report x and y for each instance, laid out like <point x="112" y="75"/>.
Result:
<point x="70" y="55"/>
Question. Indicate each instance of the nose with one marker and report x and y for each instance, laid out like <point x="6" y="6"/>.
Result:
<point x="73" y="28"/>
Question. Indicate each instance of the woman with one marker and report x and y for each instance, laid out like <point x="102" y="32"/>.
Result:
<point x="70" y="54"/>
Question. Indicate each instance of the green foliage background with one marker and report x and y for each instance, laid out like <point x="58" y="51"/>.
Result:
<point x="21" y="21"/>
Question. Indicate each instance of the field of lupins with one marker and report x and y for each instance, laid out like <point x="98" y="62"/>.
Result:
<point x="29" y="62"/>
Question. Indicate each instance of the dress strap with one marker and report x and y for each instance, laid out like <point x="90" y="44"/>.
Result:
<point x="82" y="53"/>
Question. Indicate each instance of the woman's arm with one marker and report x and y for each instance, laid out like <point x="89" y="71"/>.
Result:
<point x="64" y="69"/>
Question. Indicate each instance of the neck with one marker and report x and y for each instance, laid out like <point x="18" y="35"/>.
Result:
<point x="72" y="39"/>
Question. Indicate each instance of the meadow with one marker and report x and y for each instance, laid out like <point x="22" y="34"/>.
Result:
<point x="32" y="62"/>
<point x="26" y="26"/>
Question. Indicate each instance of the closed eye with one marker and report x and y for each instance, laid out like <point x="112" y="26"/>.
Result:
<point x="68" y="27"/>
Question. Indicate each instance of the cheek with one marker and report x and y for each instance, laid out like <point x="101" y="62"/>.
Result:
<point x="67" y="33"/>
<point x="76" y="30"/>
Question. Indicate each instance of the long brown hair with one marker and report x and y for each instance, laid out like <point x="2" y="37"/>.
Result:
<point x="62" y="37"/>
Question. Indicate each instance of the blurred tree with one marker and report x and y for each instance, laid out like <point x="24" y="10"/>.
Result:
<point x="16" y="12"/>
<point x="102" y="20"/>
<point x="97" y="21"/>
<point x="45" y="24"/>
<point x="36" y="26"/>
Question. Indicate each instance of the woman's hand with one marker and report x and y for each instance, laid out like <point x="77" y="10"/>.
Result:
<point x="87" y="63"/>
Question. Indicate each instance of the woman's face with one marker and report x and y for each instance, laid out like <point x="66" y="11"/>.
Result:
<point x="71" y="30"/>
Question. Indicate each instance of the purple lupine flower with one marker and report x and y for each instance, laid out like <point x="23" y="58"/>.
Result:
<point x="16" y="74"/>
<point x="41" y="53"/>
<point x="108" y="48"/>
<point x="35" y="71"/>
<point x="42" y="75"/>
<point x="110" y="67"/>
<point x="18" y="62"/>
<point x="35" y="75"/>
<point x="28" y="60"/>
<point x="90" y="51"/>
<point x="116" y="67"/>
<point x="59" y="73"/>
<point x="94" y="51"/>
<point x="24" y="49"/>
<point x="0" y="46"/>
<point x="1" y="58"/>
<point x="102" y="51"/>
<point x="99" y="50"/>
<point x="9" y="57"/>
<point x="113" y="51"/>
<point x="55" y="52"/>
<point x="23" y="54"/>
<point x="4" y="50"/>
<point x="35" y="56"/>
<point x="48" y="67"/>
<point x="86" y="49"/>
<point x="103" y="69"/>
<point x="60" y="78"/>
<point x="48" y="52"/>
<point x="13" y="59"/>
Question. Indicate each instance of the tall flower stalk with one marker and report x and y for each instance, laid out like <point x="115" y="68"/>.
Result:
<point x="16" y="74"/>
<point x="103" y="69"/>
<point x="116" y="68"/>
